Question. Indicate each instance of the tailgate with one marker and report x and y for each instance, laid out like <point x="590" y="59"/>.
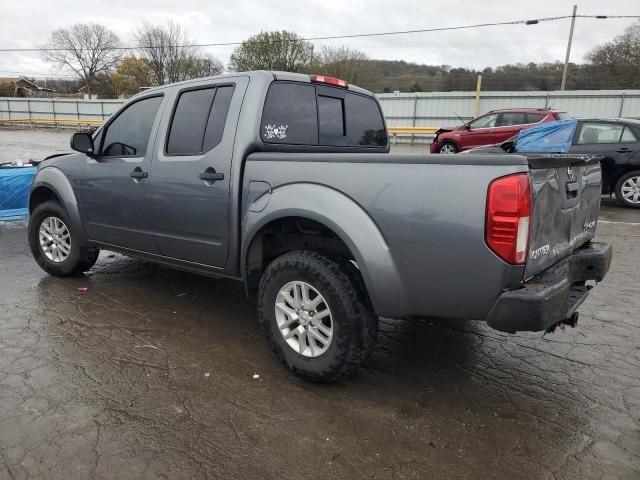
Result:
<point x="566" y="200"/>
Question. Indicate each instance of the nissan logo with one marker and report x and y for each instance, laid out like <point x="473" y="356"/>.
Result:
<point x="570" y="173"/>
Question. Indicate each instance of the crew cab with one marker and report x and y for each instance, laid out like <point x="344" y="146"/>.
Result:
<point x="494" y="127"/>
<point x="285" y="182"/>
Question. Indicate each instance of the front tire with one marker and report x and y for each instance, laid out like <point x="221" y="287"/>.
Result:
<point x="54" y="243"/>
<point x="448" y="147"/>
<point x="314" y="311"/>
<point x="628" y="189"/>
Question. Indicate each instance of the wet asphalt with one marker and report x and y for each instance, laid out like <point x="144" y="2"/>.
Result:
<point x="157" y="373"/>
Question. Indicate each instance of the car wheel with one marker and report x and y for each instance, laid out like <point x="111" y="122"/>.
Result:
<point x="448" y="147"/>
<point x="315" y="313"/>
<point x="628" y="189"/>
<point x="53" y="243"/>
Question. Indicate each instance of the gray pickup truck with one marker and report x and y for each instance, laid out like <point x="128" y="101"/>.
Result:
<point x="285" y="182"/>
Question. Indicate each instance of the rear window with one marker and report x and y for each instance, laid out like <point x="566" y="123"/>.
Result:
<point x="305" y="114"/>
<point x="562" y="115"/>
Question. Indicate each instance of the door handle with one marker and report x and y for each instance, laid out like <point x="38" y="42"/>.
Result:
<point x="624" y="150"/>
<point x="138" y="174"/>
<point x="210" y="175"/>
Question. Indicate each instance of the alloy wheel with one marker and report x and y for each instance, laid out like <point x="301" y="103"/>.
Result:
<point x="304" y="319"/>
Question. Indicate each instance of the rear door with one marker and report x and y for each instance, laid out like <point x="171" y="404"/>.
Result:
<point x="190" y="175"/>
<point x="508" y="124"/>
<point x="566" y="202"/>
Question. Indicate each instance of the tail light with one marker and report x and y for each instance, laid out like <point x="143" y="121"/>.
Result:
<point x="336" y="82"/>
<point x="508" y="214"/>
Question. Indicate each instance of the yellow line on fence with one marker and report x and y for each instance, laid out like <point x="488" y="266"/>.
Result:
<point x="65" y="121"/>
<point x="49" y="121"/>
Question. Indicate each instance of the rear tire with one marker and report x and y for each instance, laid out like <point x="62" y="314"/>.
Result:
<point x="448" y="147"/>
<point x="54" y="243"/>
<point x="628" y="189"/>
<point x="347" y="332"/>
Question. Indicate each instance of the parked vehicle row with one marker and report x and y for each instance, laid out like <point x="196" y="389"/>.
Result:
<point x="615" y="140"/>
<point x="285" y="182"/>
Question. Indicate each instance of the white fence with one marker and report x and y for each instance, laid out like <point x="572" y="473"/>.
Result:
<point x="57" y="108"/>
<point x="428" y="109"/>
<point x="441" y="109"/>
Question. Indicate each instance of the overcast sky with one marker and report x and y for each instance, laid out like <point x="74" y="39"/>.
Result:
<point x="30" y="23"/>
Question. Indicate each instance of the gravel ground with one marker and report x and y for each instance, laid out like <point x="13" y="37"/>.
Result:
<point x="150" y="374"/>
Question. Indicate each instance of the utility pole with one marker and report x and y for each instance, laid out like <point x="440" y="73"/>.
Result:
<point x="566" y="58"/>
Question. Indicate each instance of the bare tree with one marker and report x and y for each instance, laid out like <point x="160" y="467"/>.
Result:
<point x="87" y="49"/>
<point x="170" y="54"/>
<point x="343" y="62"/>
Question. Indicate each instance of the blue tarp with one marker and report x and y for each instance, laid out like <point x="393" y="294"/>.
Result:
<point x="14" y="191"/>
<point x="550" y="137"/>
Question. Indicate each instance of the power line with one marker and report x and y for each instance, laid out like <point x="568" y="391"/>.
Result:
<point x="356" y="35"/>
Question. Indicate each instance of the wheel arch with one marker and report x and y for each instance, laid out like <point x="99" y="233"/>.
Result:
<point x="51" y="184"/>
<point x="341" y="217"/>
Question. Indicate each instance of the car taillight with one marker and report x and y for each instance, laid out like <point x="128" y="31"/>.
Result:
<point x="336" y="82"/>
<point x="508" y="214"/>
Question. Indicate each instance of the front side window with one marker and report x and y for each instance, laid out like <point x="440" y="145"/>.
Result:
<point x="198" y="120"/>
<point x="488" y="121"/>
<point x="128" y="134"/>
<point x="592" y="133"/>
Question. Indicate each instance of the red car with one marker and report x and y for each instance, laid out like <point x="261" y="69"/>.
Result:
<point x="495" y="126"/>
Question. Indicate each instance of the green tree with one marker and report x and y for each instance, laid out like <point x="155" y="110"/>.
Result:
<point x="282" y="50"/>
<point x="620" y="57"/>
<point x="132" y="74"/>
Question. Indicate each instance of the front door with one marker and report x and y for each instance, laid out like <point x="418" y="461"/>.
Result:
<point x="478" y="132"/>
<point x="112" y="190"/>
<point x="191" y="172"/>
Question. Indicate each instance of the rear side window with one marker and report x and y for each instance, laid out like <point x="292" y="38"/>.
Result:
<point x="198" y="120"/>
<point x="535" y="117"/>
<point x="128" y="134"/>
<point x="511" y="118"/>
<point x="628" y="135"/>
<point x="303" y="114"/>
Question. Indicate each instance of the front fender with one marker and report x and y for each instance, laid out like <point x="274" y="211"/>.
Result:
<point x="347" y="220"/>
<point x="55" y="181"/>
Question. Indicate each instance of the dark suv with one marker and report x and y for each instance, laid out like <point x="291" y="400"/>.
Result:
<point x="495" y="126"/>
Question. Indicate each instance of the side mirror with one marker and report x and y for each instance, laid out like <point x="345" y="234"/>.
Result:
<point x="82" y="142"/>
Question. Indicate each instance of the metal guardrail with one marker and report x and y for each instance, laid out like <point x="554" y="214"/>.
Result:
<point x="412" y="131"/>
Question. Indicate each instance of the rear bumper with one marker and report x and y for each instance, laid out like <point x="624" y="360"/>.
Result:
<point x="553" y="295"/>
<point x="433" y="147"/>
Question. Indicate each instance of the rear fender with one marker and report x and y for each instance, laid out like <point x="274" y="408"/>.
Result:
<point x="347" y="220"/>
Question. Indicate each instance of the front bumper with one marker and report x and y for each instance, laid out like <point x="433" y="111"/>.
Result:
<point x="553" y="295"/>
